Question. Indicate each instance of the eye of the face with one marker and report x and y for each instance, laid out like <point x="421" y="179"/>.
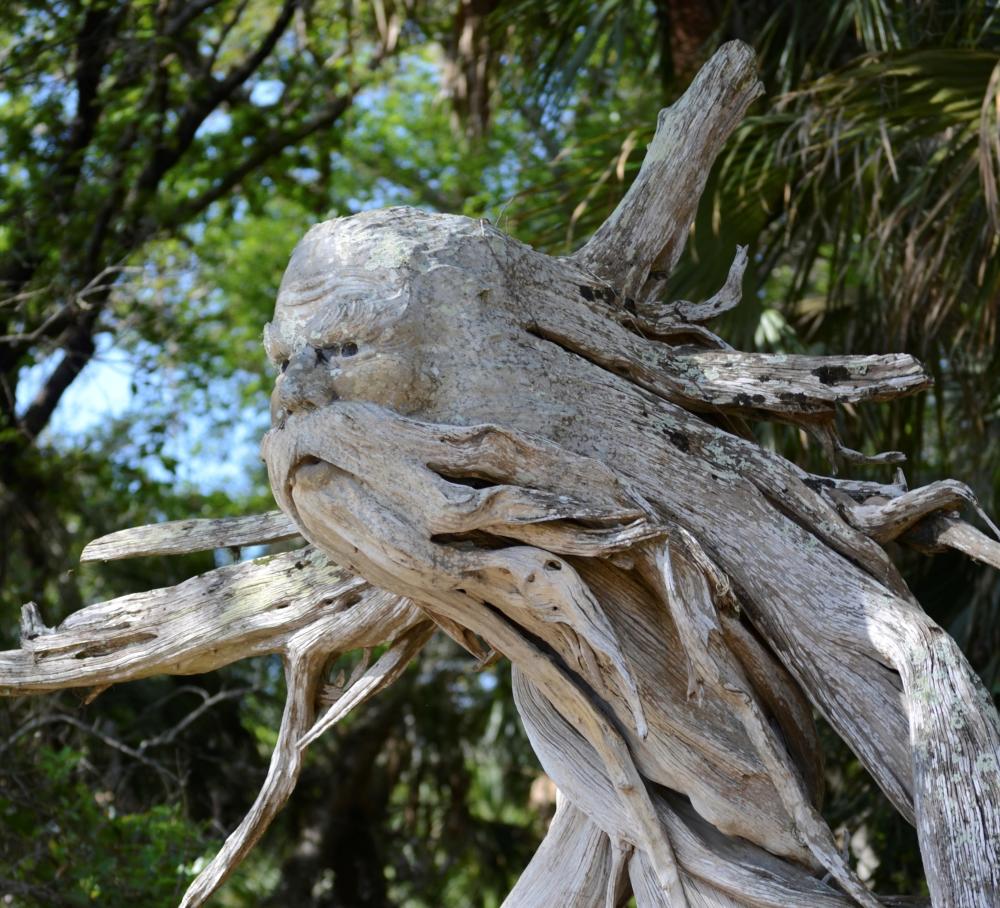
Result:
<point x="325" y="354"/>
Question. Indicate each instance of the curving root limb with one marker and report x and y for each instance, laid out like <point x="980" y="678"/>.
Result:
<point x="702" y="380"/>
<point x="189" y="628"/>
<point x="541" y="589"/>
<point x="616" y="893"/>
<point x="390" y="665"/>
<point x="577" y="709"/>
<point x="303" y="674"/>
<point x="955" y="745"/>
<point x="944" y="531"/>
<point x="306" y="656"/>
<point x="710" y="864"/>
<point x="691" y="585"/>
<point x="784" y="700"/>
<point x="569" y="868"/>
<point x="682" y="312"/>
<point x="923" y="519"/>
<point x="884" y="520"/>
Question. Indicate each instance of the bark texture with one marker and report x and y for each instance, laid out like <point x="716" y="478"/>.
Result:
<point x="540" y="458"/>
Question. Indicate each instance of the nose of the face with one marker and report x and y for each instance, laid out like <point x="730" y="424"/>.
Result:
<point x="307" y="383"/>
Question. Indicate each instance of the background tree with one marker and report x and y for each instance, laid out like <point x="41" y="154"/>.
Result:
<point x="159" y="159"/>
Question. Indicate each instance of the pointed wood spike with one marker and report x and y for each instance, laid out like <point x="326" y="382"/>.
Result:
<point x="641" y="241"/>
<point x="182" y="537"/>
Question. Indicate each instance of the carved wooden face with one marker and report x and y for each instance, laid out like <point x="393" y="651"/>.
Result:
<point x="376" y="309"/>
<point x="428" y="317"/>
<point x="340" y="330"/>
<point x="416" y="313"/>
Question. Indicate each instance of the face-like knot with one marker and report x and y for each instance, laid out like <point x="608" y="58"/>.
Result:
<point x="339" y="329"/>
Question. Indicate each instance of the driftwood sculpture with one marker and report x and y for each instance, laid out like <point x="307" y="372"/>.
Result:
<point x="539" y="458"/>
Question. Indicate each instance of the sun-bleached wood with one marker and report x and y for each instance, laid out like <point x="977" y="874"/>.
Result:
<point x="506" y="454"/>
<point x="544" y="460"/>
<point x="180" y="537"/>
<point x="514" y="358"/>
<point x="644" y="237"/>
<point x="572" y="840"/>
<point x="943" y="531"/>
<point x="247" y="609"/>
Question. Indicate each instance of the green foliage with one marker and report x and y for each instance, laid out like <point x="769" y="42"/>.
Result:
<point x="68" y="845"/>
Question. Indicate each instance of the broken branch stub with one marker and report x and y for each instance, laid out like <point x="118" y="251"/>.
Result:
<point x="635" y="249"/>
<point x="527" y="451"/>
<point x="181" y="537"/>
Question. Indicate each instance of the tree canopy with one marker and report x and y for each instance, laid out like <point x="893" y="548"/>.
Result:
<point x="160" y="158"/>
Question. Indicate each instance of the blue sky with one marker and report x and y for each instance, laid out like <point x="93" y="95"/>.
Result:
<point x="211" y="455"/>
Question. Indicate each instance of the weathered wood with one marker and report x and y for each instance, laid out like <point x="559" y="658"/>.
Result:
<point x="180" y="537"/>
<point x="302" y="676"/>
<point x="389" y="666"/>
<point x="644" y="237"/>
<point x="886" y="519"/>
<point x="954" y="733"/>
<point x="683" y="312"/>
<point x="724" y="759"/>
<point x="713" y="379"/>
<point x="568" y="407"/>
<point x="230" y="613"/>
<point x="306" y="654"/>
<point x="571" y="867"/>
<point x="942" y="532"/>
<point x="681" y="572"/>
<point x="296" y="604"/>
<point x="744" y="871"/>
